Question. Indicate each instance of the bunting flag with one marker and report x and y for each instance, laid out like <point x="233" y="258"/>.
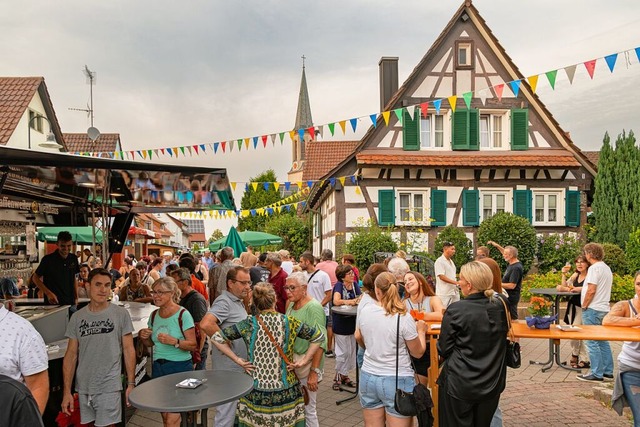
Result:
<point x="482" y="94"/>
<point x="551" y="76"/>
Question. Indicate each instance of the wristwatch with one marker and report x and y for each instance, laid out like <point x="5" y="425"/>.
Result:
<point x="177" y="344"/>
<point x="316" y="370"/>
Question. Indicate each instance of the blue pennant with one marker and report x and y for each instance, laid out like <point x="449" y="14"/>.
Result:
<point x="436" y="105"/>
<point x="611" y="61"/>
<point x="354" y="123"/>
<point x="515" y="87"/>
<point x="374" y="120"/>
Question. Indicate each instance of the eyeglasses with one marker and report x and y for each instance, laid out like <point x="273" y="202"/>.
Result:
<point x="160" y="293"/>
<point x="350" y="273"/>
<point x="291" y="288"/>
<point x="244" y="282"/>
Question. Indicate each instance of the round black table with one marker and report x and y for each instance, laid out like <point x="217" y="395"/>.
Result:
<point x="554" y="345"/>
<point x="162" y="395"/>
<point x="348" y="310"/>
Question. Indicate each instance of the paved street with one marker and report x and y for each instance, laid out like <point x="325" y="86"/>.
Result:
<point x="532" y="398"/>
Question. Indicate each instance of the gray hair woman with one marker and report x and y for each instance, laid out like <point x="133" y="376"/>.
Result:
<point x="472" y="342"/>
<point x="276" y="398"/>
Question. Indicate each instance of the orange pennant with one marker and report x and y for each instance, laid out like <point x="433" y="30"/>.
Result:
<point x="342" y="125"/>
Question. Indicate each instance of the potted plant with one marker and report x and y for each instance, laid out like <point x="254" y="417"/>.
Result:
<point x="540" y="310"/>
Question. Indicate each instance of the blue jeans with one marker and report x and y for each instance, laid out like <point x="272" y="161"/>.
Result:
<point x="631" y="387"/>
<point x="599" y="351"/>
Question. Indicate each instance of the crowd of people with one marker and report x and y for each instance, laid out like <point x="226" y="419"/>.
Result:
<point x="269" y="315"/>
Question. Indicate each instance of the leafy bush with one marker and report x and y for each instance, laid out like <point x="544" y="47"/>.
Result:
<point x="368" y="239"/>
<point x="555" y="250"/>
<point x="462" y="243"/>
<point x="622" y="288"/>
<point x="633" y="251"/>
<point x="294" y="231"/>
<point x="615" y="258"/>
<point x="508" y="229"/>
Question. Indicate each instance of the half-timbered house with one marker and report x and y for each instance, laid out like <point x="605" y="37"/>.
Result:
<point x="421" y="172"/>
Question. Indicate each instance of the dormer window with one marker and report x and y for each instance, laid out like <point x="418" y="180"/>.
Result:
<point x="464" y="54"/>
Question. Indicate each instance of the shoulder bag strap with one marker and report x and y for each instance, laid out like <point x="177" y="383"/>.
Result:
<point x="312" y="274"/>
<point x="506" y="309"/>
<point x="153" y="316"/>
<point x="397" y="348"/>
<point x="273" y="340"/>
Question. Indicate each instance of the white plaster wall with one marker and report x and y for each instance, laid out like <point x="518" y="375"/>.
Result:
<point x="20" y="136"/>
<point x="540" y="139"/>
<point x="356" y="216"/>
<point x="387" y="139"/>
<point x="463" y="82"/>
<point x="488" y="67"/>
<point x="351" y="196"/>
<point x="426" y="87"/>
<point x="446" y="87"/>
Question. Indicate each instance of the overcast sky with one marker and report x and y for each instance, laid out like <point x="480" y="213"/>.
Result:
<point x="192" y="72"/>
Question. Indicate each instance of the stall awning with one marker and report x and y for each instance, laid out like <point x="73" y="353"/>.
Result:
<point x="82" y="235"/>
<point x="137" y="231"/>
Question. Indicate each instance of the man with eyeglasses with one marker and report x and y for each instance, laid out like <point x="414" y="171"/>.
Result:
<point x="447" y="287"/>
<point x="196" y="305"/>
<point x="56" y="274"/>
<point x="227" y="310"/>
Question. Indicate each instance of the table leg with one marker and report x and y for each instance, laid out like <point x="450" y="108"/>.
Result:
<point x="203" y="418"/>
<point x="353" y="393"/>
<point x="433" y="375"/>
<point x="549" y="363"/>
<point x="189" y="419"/>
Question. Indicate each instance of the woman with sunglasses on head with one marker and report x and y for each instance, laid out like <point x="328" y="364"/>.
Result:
<point x="422" y="304"/>
<point x="134" y="289"/>
<point x="573" y="315"/>
<point x="171" y="333"/>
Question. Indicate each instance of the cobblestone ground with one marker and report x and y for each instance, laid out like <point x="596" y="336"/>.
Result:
<point x="532" y="398"/>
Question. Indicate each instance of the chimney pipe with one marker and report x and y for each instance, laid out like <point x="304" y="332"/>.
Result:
<point x="388" y="70"/>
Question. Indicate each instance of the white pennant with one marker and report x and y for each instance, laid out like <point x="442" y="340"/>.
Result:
<point x="320" y="130"/>
<point x="411" y="110"/>
<point x="483" y="94"/>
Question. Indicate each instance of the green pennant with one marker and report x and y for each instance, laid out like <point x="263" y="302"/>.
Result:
<point x="332" y="127"/>
<point x="182" y="149"/>
<point x="239" y="144"/>
<point x="551" y="76"/>
<point x="281" y="137"/>
<point x="467" y="99"/>
<point x="398" y="112"/>
<point x="150" y="152"/>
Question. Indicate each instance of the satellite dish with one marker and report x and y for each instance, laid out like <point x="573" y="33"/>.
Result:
<point x="93" y="133"/>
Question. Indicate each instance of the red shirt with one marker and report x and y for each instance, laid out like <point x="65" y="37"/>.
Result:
<point x="278" y="281"/>
<point x="197" y="285"/>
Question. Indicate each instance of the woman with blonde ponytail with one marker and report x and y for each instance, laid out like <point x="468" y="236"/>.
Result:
<point x="472" y="342"/>
<point x="380" y="334"/>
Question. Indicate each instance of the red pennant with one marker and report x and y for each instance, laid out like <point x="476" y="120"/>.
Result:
<point x="195" y="147"/>
<point x="499" y="89"/>
<point x="162" y="149"/>
<point x="312" y="132"/>
<point x="224" y="145"/>
<point x="264" y="140"/>
<point x="591" y="67"/>
<point x="424" y="108"/>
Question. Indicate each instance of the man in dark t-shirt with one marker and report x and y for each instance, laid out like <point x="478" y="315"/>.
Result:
<point x="20" y="406"/>
<point x="512" y="279"/>
<point x="56" y="274"/>
<point x="258" y="272"/>
<point x="196" y="305"/>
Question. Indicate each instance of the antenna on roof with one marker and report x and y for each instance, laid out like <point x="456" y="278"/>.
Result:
<point x="93" y="133"/>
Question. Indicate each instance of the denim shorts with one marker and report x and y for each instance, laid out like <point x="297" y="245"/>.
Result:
<point x="162" y="367"/>
<point x="378" y="391"/>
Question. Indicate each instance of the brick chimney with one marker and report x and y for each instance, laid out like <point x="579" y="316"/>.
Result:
<point x="388" y="68"/>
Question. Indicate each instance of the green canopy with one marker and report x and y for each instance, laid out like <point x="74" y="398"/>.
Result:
<point x="234" y="241"/>
<point x="78" y="234"/>
<point x="253" y="238"/>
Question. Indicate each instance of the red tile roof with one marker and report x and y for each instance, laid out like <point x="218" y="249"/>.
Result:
<point x="593" y="156"/>
<point x="80" y="142"/>
<point x="548" y="158"/>
<point x="322" y="156"/>
<point x="15" y="95"/>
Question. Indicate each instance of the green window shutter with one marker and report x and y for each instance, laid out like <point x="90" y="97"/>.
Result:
<point x="459" y="130"/>
<point x="439" y="208"/>
<point x="410" y="131"/>
<point x="520" y="129"/>
<point x="522" y="203"/>
<point x="474" y="130"/>
<point x="470" y="207"/>
<point x="386" y="207"/>
<point x="572" y="214"/>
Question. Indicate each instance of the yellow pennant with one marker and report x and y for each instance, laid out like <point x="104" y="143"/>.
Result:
<point x="144" y="154"/>
<point x="533" y="82"/>
<point x="385" y="116"/>
<point x="452" y="102"/>
<point x="260" y="211"/>
<point x="299" y="184"/>
<point x="358" y="191"/>
<point x="233" y="186"/>
<point x="276" y="185"/>
<point x="341" y="179"/>
<point x="255" y="186"/>
<point x="246" y="143"/>
<point x="279" y="209"/>
<point x="342" y="125"/>
<point x="292" y="135"/>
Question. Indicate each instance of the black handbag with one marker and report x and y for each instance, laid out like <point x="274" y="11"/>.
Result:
<point x="403" y="402"/>
<point x="512" y="350"/>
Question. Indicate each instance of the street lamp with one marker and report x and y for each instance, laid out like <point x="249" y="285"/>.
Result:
<point x="51" y="138"/>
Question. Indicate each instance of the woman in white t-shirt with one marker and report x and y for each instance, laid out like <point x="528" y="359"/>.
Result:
<point x="377" y="332"/>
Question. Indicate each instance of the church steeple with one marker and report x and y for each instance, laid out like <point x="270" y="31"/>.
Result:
<point x="303" y="121"/>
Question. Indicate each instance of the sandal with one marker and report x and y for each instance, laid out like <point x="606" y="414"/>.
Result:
<point x="574" y="362"/>
<point x="346" y="381"/>
<point x="336" y="385"/>
<point x="583" y="364"/>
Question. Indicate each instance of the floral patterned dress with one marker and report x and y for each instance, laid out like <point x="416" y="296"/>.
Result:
<point x="276" y="400"/>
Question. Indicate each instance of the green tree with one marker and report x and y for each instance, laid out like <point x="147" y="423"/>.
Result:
<point x="258" y="198"/>
<point x="615" y="258"/>
<point x="294" y="231"/>
<point x="368" y="239"/>
<point x="216" y="235"/>
<point x="508" y="229"/>
<point x="633" y="251"/>
<point x="196" y="248"/>
<point x="555" y="250"/>
<point x="462" y="243"/>
<point x="617" y="190"/>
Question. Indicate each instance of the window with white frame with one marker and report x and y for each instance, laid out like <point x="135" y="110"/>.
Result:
<point x="432" y="131"/>
<point x="411" y="207"/>
<point x="548" y="207"/>
<point x="492" y="130"/>
<point x="493" y="202"/>
<point x="464" y="54"/>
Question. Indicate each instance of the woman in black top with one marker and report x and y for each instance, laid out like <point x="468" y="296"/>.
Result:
<point x="472" y="342"/>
